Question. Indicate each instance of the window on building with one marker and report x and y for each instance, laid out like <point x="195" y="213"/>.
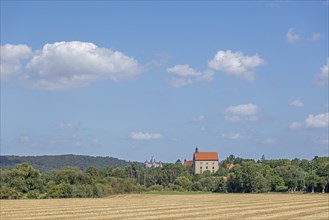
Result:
<point x="207" y="168"/>
<point x="207" y="163"/>
<point x="201" y="168"/>
<point x="213" y="168"/>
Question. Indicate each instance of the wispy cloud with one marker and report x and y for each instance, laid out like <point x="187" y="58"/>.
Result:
<point x="235" y="136"/>
<point x="322" y="140"/>
<point x="144" y="136"/>
<point x="316" y="36"/>
<point x="206" y="77"/>
<point x="296" y="103"/>
<point x="198" y="118"/>
<point x="323" y="77"/>
<point x="269" y="141"/>
<point x="185" y="75"/>
<point x="238" y="118"/>
<point x="63" y="141"/>
<point x="295" y="125"/>
<point x="183" y="70"/>
<point x="291" y="36"/>
<point x="244" y="109"/>
<point x="24" y="138"/>
<point x="64" y="125"/>
<point x="179" y="82"/>
<point x="95" y="142"/>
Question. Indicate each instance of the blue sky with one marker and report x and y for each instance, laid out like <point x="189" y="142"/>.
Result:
<point x="140" y="79"/>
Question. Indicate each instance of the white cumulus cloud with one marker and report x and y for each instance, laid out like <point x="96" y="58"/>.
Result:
<point x="145" y="136"/>
<point x="296" y="125"/>
<point x="65" y="65"/>
<point x="206" y="77"/>
<point x="296" y="103"/>
<point x="183" y="70"/>
<point x="187" y="75"/>
<point x="236" y="64"/>
<point x="291" y="36"/>
<point x="323" y="77"/>
<point x="318" y="121"/>
<point x="242" y="113"/>
<point x="11" y="56"/>
<point x="245" y="109"/>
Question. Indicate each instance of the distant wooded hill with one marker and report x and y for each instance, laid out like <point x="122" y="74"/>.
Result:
<point x="46" y="163"/>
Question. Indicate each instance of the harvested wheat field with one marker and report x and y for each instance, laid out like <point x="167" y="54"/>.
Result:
<point x="198" y="206"/>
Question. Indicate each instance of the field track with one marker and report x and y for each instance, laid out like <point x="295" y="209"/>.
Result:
<point x="198" y="206"/>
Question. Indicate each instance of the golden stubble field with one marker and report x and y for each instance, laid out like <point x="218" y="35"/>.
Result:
<point x="148" y="206"/>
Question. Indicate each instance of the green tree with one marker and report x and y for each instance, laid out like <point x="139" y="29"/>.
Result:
<point x="322" y="182"/>
<point x="156" y="187"/>
<point x="92" y="171"/>
<point x="61" y="190"/>
<point x="230" y="159"/>
<point x="33" y="194"/>
<point x="206" y="173"/>
<point x="277" y="184"/>
<point x="24" y="177"/>
<point x="207" y="183"/>
<point x="249" y="174"/>
<point x="312" y="181"/>
<point x="293" y="176"/>
<point x="322" y="170"/>
<point x="219" y="185"/>
<point x="9" y="193"/>
<point x="184" y="183"/>
<point x="196" y="186"/>
<point x="222" y="171"/>
<point x="263" y="159"/>
<point x="305" y="165"/>
<point x="235" y="180"/>
<point x="70" y="175"/>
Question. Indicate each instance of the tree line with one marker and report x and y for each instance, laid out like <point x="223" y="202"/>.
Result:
<point x="246" y="176"/>
<point x="50" y="162"/>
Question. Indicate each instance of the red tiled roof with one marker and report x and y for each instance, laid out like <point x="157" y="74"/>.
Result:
<point x="188" y="163"/>
<point x="206" y="156"/>
<point x="230" y="166"/>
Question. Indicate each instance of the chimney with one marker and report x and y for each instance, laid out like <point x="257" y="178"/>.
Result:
<point x="196" y="150"/>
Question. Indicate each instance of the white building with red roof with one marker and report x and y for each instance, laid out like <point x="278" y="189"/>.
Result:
<point x="203" y="161"/>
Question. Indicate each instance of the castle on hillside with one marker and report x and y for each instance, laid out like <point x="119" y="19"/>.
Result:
<point x="152" y="163"/>
<point x="203" y="161"/>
